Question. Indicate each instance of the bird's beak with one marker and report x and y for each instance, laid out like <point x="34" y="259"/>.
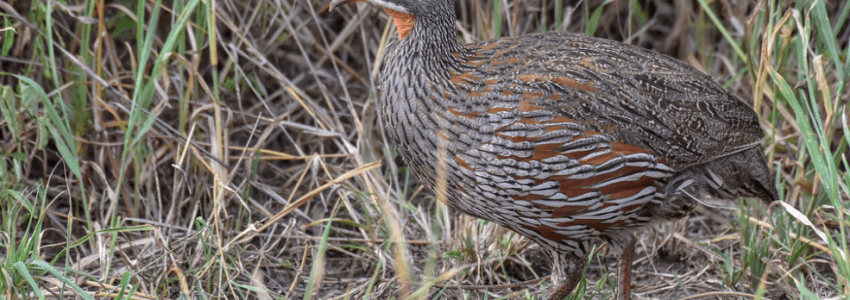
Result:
<point x="335" y="3"/>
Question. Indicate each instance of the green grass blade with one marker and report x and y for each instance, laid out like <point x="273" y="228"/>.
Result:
<point x="8" y="36"/>
<point x="738" y="51"/>
<point x="24" y="272"/>
<point x="826" y="36"/>
<point x="318" y="262"/>
<point x="593" y="21"/>
<point x="49" y="269"/>
<point x="496" y="20"/>
<point x="60" y="130"/>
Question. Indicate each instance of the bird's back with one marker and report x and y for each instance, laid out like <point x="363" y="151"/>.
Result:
<point x="566" y="138"/>
<point x="637" y="96"/>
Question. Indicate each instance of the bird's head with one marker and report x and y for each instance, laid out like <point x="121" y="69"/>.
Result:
<point x="402" y="6"/>
<point x="406" y="12"/>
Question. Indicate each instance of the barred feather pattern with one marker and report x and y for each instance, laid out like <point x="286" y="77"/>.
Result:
<point x="564" y="138"/>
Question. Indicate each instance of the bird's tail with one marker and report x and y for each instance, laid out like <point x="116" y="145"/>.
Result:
<point x="744" y="174"/>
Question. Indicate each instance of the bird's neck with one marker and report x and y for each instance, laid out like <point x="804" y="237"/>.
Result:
<point x="414" y="85"/>
<point x="428" y="41"/>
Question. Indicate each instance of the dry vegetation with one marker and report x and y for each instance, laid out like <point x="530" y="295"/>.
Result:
<point x="169" y="162"/>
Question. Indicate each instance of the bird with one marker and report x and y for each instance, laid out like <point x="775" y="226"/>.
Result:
<point x="569" y="140"/>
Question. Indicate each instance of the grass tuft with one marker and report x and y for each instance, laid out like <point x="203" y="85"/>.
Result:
<point x="231" y="149"/>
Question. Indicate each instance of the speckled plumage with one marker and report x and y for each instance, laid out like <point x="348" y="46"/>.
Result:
<point x="566" y="139"/>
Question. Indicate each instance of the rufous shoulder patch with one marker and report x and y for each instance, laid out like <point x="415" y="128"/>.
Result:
<point x="403" y="22"/>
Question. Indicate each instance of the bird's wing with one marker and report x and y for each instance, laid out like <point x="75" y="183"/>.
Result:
<point x="634" y="95"/>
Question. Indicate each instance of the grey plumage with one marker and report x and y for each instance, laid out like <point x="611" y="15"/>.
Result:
<point x="566" y="139"/>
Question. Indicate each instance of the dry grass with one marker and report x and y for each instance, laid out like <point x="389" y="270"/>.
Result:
<point x="174" y="163"/>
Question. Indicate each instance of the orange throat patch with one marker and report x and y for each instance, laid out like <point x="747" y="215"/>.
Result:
<point x="403" y="22"/>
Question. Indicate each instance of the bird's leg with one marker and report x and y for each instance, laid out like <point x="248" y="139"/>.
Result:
<point x="566" y="274"/>
<point x="624" y="280"/>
